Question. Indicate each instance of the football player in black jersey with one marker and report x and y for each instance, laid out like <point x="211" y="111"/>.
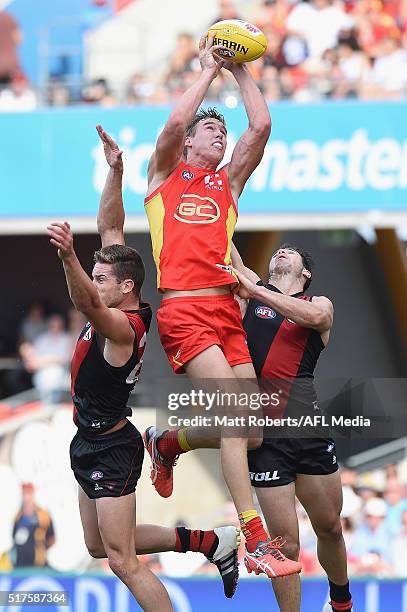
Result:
<point x="107" y="451"/>
<point x="286" y="332"/>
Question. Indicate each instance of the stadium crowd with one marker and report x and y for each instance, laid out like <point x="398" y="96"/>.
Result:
<point x="317" y="49"/>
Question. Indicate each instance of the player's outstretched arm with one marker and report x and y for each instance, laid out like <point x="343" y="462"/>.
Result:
<point x="109" y="322"/>
<point x="170" y="143"/>
<point x="317" y="314"/>
<point x="110" y="218"/>
<point x="249" y="149"/>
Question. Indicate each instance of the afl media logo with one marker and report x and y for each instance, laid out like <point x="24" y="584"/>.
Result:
<point x="264" y="312"/>
<point x="195" y="209"/>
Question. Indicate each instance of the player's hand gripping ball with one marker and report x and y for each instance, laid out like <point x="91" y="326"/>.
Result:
<point x="241" y="40"/>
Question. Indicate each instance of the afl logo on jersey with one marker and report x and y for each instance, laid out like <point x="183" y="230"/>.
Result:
<point x="195" y="209"/>
<point x="187" y="175"/>
<point x="264" y="312"/>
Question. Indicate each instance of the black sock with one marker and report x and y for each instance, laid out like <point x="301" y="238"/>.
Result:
<point x="339" y="594"/>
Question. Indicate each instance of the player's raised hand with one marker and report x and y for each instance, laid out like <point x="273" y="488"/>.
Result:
<point x="112" y="152"/>
<point x="62" y="238"/>
<point x="207" y="59"/>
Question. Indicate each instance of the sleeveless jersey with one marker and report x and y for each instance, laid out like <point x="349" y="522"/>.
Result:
<point x="192" y="217"/>
<point x="284" y="354"/>
<point x="99" y="390"/>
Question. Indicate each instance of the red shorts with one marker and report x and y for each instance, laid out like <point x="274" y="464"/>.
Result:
<point x="190" y="324"/>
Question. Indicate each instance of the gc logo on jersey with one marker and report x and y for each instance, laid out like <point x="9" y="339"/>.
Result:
<point x="264" y="312"/>
<point x="195" y="209"/>
<point x="187" y="175"/>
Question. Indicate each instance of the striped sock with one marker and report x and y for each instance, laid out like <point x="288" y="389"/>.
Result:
<point x="196" y="540"/>
<point x="341" y="599"/>
<point x="252" y="528"/>
<point x="173" y="443"/>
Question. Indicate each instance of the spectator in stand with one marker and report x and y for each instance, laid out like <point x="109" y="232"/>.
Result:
<point x="273" y="14"/>
<point x="47" y="359"/>
<point x="227" y="10"/>
<point x="318" y="22"/>
<point x="76" y="323"/>
<point x="183" y="63"/>
<point x="370" y="544"/>
<point x="373" y="25"/>
<point x="353" y="65"/>
<point x="396" y="504"/>
<point x="388" y="77"/>
<point x="352" y="502"/>
<point x="58" y="93"/>
<point x="139" y="89"/>
<point x="98" y="92"/>
<point x="33" y="324"/>
<point x="18" y="96"/>
<point x="10" y="38"/>
<point x="399" y="548"/>
<point x="33" y="532"/>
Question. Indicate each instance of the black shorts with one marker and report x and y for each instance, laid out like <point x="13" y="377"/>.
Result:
<point x="108" y="465"/>
<point x="277" y="461"/>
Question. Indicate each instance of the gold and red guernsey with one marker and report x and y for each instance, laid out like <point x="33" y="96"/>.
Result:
<point x="192" y="217"/>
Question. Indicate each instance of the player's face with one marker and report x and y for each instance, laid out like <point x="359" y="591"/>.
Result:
<point x="107" y="285"/>
<point x="209" y="140"/>
<point x="286" y="261"/>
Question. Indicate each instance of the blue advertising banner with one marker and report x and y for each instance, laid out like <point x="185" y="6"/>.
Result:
<point x="99" y="593"/>
<point x="348" y="157"/>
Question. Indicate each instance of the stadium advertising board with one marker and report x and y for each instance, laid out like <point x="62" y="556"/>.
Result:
<point x="336" y="164"/>
<point x="98" y="593"/>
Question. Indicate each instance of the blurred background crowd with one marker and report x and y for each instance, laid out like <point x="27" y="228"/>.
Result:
<point x="317" y="49"/>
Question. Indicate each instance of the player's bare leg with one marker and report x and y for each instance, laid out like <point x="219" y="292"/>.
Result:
<point x="261" y="554"/>
<point x="321" y="497"/>
<point x="278" y="507"/>
<point x="212" y="364"/>
<point x="117" y="525"/>
<point x="219" y="545"/>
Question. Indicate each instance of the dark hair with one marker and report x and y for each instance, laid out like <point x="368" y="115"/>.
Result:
<point x="209" y="113"/>
<point x="126" y="262"/>
<point x="307" y="261"/>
